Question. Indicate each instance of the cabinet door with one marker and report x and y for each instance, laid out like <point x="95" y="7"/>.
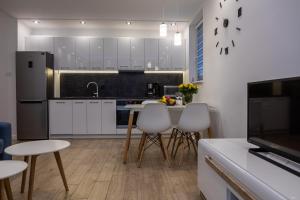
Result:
<point x="96" y="53"/>
<point x="124" y="53"/>
<point x="79" y="117"/>
<point x="109" y="117"/>
<point x="151" y="54"/>
<point x="110" y="53"/>
<point x="60" y="117"/>
<point x="94" y="117"/>
<point x="137" y="48"/>
<point x="64" y="53"/>
<point x="164" y="54"/>
<point x="82" y="53"/>
<point x="178" y="56"/>
<point x="39" y="43"/>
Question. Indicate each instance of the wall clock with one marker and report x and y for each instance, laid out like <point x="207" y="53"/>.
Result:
<point x="223" y="22"/>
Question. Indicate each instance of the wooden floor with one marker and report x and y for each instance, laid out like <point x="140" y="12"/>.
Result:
<point x="95" y="171"/>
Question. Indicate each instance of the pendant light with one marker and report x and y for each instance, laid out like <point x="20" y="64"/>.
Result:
<point x="163" y="30"/>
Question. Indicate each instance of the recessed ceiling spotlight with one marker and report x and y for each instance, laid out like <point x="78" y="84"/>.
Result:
<point x="82" y="22"/>
<point x="128" y="23"/>
<point x="36" y="21"/>
<point x="173" y="24"/>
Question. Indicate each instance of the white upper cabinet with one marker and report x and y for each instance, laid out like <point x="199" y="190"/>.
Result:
<point x="151" y="54"/>
<point x="165" y="50"/>
<point x="178" y="57"/>
<point x="137" y="49"/>
<point x="124" y="53"/>
<point x="82" y="53"/>
<point x="39" y="43"/>
<point x="110" y="53"/>
<point x="64" y="50"/>
<point x="96" y="53"/>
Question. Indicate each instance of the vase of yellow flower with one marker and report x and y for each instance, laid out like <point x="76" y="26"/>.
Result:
<point x="188" y="90"/>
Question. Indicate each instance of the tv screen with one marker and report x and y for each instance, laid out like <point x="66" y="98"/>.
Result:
<point x="274" y="116"/>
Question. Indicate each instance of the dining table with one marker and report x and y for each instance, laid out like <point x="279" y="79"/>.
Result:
<point x="133" y="108"/>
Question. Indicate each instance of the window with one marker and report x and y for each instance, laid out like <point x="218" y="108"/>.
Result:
<point x="199" y="52"/>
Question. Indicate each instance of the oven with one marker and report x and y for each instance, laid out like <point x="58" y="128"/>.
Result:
<point x="123" y="113"/>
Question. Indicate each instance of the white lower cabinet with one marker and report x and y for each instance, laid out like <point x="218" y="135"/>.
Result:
<point x="79" y="117"/>
<point x="60" y="117"/>
<point x="82" y="117"/>
<point x="93" y="117"/>
<point x="109" y="117"/>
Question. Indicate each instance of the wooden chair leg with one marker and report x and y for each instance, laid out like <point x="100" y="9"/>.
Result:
<point x="209" y="133"/>
<point x="193" y="143"/>
<point x="162" y="146"/>
<point x="31" y="177"/>
<point x="174" y="143"/>
<point x="164" y="150"/>
<point x="24" y="175"/>
<point x="61" y="169"/>
<point x="8" y="189"/>
<point x="188" y="141"/>
<point x="143" y="138"/>
<point x="180" y="142"/>
<point x="182" y="152"/>
<point x="142" y="151"/>
<point x="171" y="137"/>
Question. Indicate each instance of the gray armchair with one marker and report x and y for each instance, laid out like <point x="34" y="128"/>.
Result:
<point x="5" y="139"/>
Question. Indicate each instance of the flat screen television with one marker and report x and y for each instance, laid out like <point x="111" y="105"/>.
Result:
<point x="274" y="117"/>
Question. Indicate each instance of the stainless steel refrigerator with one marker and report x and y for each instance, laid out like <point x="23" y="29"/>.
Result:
<point x="35" y="85"/>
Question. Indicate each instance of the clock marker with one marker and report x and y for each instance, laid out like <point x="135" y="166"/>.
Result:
<point x="216" y="31"/>
<point x="217" y="44"/>
<point x="238" y="28"/>
<point x="226" y="50"/>
<point x="233" y="44"/>
<point x="221" y="51"/>
<point x="217" y="18"/>
<point x="221" y="5"/>
<point x="240" y="12"/>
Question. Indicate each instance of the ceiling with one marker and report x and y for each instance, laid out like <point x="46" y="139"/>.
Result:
<point x="144" y="10"/>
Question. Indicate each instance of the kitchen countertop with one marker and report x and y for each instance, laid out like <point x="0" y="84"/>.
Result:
<point x="100" y="98"/>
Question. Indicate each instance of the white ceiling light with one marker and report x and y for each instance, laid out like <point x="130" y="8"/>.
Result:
<point x="36" y="21"/>
<point x="128" y="23"/>
<point x="163" y="29"/>
<point x="173" y="24"/>
<point x="177" y="39"/>
<point x="82" y="22"/>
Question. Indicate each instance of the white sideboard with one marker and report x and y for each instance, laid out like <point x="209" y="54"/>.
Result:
<point x="261" y="179"/>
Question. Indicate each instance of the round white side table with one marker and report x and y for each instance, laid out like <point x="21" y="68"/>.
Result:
<point x="34" y="149"/>
<point x="9" y="168"/>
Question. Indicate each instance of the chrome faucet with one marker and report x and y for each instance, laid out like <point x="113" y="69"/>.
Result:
<point x="97" y="88"/>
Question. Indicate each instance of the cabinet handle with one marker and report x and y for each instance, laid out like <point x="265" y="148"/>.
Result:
<point x="60" y="102"/>
<point x="123" y="66"/>
<point x="79" y="102"/>
<point x="110" y="102"/>
<point x="94" y="102"/>
<point x="236" y="185"/>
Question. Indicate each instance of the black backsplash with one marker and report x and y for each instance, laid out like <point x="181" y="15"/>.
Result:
<point x="123" y="85"/>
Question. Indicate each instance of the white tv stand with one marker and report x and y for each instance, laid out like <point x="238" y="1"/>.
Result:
<point x="227" y="171"/>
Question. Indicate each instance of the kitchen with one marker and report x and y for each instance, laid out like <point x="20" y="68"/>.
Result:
<point x="95" y="77"/>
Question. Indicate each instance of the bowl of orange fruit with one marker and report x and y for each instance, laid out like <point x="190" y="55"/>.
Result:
<point x="169" y="101"/>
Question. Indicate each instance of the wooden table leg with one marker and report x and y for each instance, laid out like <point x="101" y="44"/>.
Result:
<point x="127" y="144"/>
<point x="31" y="177"/>
<point x="8" y="189"/>
<point x="1" y="183"/>
<point x="24" y="174"/>
<point x="209" y="132"/>
<point x="61" y="169"/>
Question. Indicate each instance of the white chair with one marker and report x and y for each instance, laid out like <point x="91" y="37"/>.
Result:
<point x="193" y="120"/>
<point x="153" y="120"/>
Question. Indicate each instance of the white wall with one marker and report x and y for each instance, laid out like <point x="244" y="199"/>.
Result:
<point x="268" y="47"/>
<point x="23" y="32"/>
<point x="8" y="47"/>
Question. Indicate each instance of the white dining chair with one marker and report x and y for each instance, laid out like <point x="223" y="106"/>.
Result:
<point x="152" y="121"/>
<point x="193" y="120"/>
